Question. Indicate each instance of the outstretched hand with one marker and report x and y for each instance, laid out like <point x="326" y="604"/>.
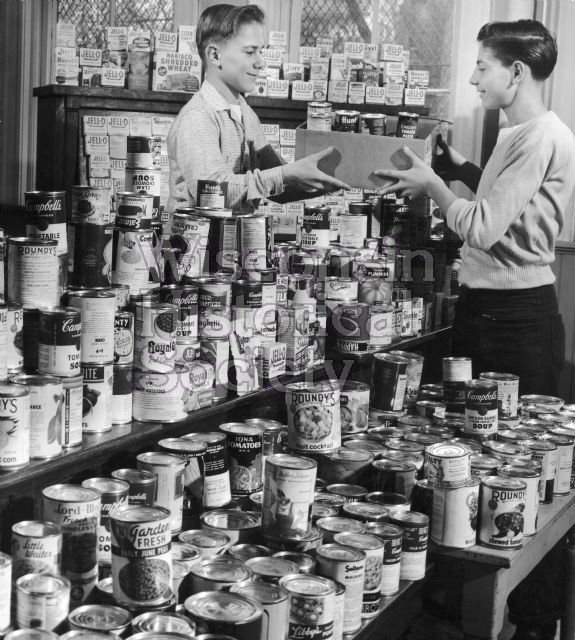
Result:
<point x="305" y="174"/>
<point x="447" y="161"/>
<point x="413" y="182"/>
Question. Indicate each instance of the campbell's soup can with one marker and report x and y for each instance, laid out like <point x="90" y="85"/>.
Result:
<point x="146" y="182"/>
<point x="98" y="391"/>
<point x="36" y="548"/>
<point x="456" y="374"/>
<point x="14" y="338"/>
<point x="313" y="416"/>
<point x="481" y="407"/>
<point x="214" y="307"/>
<point x="155" y="336"/>
<point x="34" y="277"/>
<point x="134" y="210"/>
<point x="15" y="421"/>
<point x="97" y="311"/>
<point x="507" y="392"/>
<point x="315" y="229"/>
<point x="501" y="519"/>
<point x="59" y="341"/>
<point x="312" y="603"/>
<point x="42" y="600"/>
<point x="46" y="217"/>
<point x="141" y="556"/>
<point x="142" y="485"/>
<point x="114" y="494"/>
<point x="161" y="396"/>
<point x="455" y="514"/>
<point x="90" y="205"/>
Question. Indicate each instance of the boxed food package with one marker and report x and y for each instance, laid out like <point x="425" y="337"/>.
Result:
<point x="117" y="38"/>
<point x="65" y="34"/>
<point x="118" y="125"/>
<point x="187" y="39"/>
<point x="113" y="77"/>
<point x="292" y="71"/>
<point x="139" y="39"/>
<point x="325" y="45"/>
<point x="165" y="41"/>
<point x="278" y="40"/>
<point x="301" y="90"/>
<point x="173" y="71"/>
<point x="90" y="57"/>
<point x="65" y="66"/>
<point x="272" y="360"/>
<point x="278" y="88"/>
<point x="260" y="88"/>
<point x="94" y="124"/>
<point x="91" y="76"/>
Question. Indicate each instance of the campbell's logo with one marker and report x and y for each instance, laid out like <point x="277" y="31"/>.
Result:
<point x="47" y="205"/>
<point x="69" y="326"/>
<point x="476" y="396"/>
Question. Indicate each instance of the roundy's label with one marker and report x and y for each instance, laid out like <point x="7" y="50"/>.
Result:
<point x="501" y="512"/>
<point x="313" y="416"/>
<point x="481" y="407"/>
<point x="14" y="426"/>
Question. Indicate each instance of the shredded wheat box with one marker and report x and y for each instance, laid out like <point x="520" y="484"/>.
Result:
<point x="117" y="38"/>
<point x="118" y="125"/>
<point x="65" y="34"/>
<point x="165" y="41"/>
<point x="113" y="77"/>
<point x="90" y="57"/>
<point x="173" y="71"/>
<point x="187" y="39"/>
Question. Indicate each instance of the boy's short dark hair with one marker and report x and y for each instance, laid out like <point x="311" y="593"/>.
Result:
<point x="525" y="40"/>
<point x="221" y="21"/>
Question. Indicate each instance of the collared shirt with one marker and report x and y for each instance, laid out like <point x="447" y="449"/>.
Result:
<point x="207" y="141"/>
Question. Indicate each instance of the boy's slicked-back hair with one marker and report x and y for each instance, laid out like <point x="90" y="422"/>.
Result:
<point x="221" y="21"/>
<point x="525" y="40"/>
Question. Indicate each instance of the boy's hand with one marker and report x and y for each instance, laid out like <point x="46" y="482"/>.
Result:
<point x="414" y="182"/>
<point x="447" y="161"/>
<point x="305" y="175"/>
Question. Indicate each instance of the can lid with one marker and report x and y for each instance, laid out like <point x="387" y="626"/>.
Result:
<point x="240" y="428"/>
<point x="33" y="634"/>
<point x="162" y="622"/>
<point x="287" y="461"/>
<point x="336" y="523"/>
<point x="107" y="485"/>
<point x="358" y="540"/>
<point x="386" y="498"/>
<point x="494" y="375"/>
<point x="410" y="518"/>
<point x="244" y="552"/>
<point x="183" y="445"/>
<point x="140" y="513"/>
<point x="271" y="567"/>
<point x="339" y="553"/>
<point x="263" y="593"/>
<point x="514" y="471"/>
<point x="35" y="380"/>
<point x="310" y="585"/>
<point x="448" y="450"/>
<point x="363" y="444"/>
<point x="134" y="476"/>
<point x="222" y="569"/>
<point x="42" y="583"/>
<point x="384" y="530"/>
<point x="222" y="606"/>
<point x="394" y="465"/>
<point x="70" y="493"/>
<point x="366" y="511"/>
<point x="347" y="490"/>
<point x="266" y="425"/>
<point x="343" y="454"/>
<point x="184" y="552"/>
<point x="497" y="482"/>
<point x="204" y="538"/>
<point x="36" y="528"/>
<point x="539" y="445"/>
<point x="159" y="459"/>
<point x="209" y="437"/>
<point x="230" y="519"/>
<point x="100" y="617"/>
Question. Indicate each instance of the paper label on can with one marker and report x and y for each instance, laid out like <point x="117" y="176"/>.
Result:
<point x="33" y="276"/>
<point x="14" y="337"/>
<point x="412" y="565"/>
<point x="98" y="383"/>
<point x="160" y="396"/>
<point x="109" y="504"/>
<point x="502" y="523"/>
<point x="352" y="230"/>
<point x="5" y="593"/>
<point x="351" y="574"/>
<point x="155" y="338"/>
<point x="45" y="420"/>
<point x="217" y="489"/>
<point x="35" y="554"/>
<point x="313" y="419"/>
<point x="14" y="431"/>
<point x="390" y="578"/>
<point x="122" y="408"/>
<point x="73" y="401"/>
<point x="44" y="610"/>
<point x="454" y="516"/>
<point x="123" y="340"/>
<point x="51" y="232"/>
<point x="311" y="616"/>
<point x="97" y="337"/>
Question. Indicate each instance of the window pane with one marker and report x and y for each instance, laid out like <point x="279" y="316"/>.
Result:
<point x="155" y="15"/>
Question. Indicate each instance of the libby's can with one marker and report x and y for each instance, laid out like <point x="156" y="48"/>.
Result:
<point x="97" y="310"/>
<point x="36" y="548"/>
<point x="245" y="446"/>
<point x="507" y="392"/>
<point x="415" y="528"/>
<point x="59" y="341"/>
<point x="481" y="407"/>
<point x="14" y="338"/>
<point x="90" y="205"/>
<point x="312" y="602"/>
<point x="33" y="272"/>
<point x="501" y="512"/>
<point x="389" y="381"/>
<point x="141" y="483"/>
<point x="46" y="217"/>
<point x="456" y="374"/>
<point x="15" y="421"/>
<point x="98" y="391"/>
<point x="455" y="514"/>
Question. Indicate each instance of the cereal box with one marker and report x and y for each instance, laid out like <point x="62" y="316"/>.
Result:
<point x="181" y="72"/>
<point x="187" y="39"/>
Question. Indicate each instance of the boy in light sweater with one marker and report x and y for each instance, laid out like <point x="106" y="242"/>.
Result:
<point x="507" y="317"/>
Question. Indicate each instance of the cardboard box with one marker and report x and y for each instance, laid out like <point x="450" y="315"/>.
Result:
<point x="292" y="71"/>
<point x="319" y="90"/>
<point x="278" y="40"/>
<point x="91" y="76"/>
<point x="165" y="41"/>
<point x="301" y="90"/>
<point x="260" y="88"/>
<point x="90" y="57"/>
<point x="187" y="39"/>
<point x="325" y="45"/>
<point x="118" y="125"/>
<point x="95" y="124"/>
<point x="180" y="72"/>
<point x="273" y="57"/>
<point x="357" y="156"/>
<point x="117" y="38"/>
<point x="65" y="34"/>
<point x="112" y="77"/>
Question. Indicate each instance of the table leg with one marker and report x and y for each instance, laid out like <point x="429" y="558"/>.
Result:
<point x="484" y="597"/>
<point x="568" y="621"/>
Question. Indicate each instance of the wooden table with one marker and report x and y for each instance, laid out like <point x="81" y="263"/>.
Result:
<point x="489" y="575"/>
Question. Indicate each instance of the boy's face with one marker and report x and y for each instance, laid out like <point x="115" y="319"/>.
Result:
<point x="493" y="80"/>
<point x="241" y="59"/>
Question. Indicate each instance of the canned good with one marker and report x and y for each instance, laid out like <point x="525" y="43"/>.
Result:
<point x="32" y="634"/>
<point x="389" y="381"/>
<point x="91" y="255"/>
<point x="300" y="541"/>
<point x="102" y="618"/>
<point x="163" y="622"/>
<point x="206" y="542"/>
<point x="373" y="124"/>
<point x="97" y="399"/>
<point x="169" y="472"/>
<point x="415" y="527"/>
<point x="507" y="392"/>
<point x="255" y="240"/>
<point x="46" y="217"/>
<point x="239" y="526"/>
<point x="532" y="478"/>
<point x="482" y="465"/>
<point x="143" y="151"/>
<point x="336" y="524"/>
<point x="481" y="407"/>
<point x="141" y="556"/>
<point x="141" y="485"/>
<point x="275" y="603"/>
<point x="90" y="205"/>
<point x="311" y="600"/>
<point x="564" y="446"/>
<point x="214" y="307"/>
<point x="422" y="497"/>
<point x="36" y="548"/>
<point x="245" y="452"/>
<point x="346" y="120"/>
<point x="395" y="503"/>
<point x="145" y="182"/>
<point x="501" y="513"/>
<point x="349" y="492"/>
<point x="304" y="561"/>
<point x="397" y="477"/>
<point x="73" y="407"/>
<point x="97" y="310"/>
<point x="245" y="551"/>
<point x="353" y="229"/>
<point x="544" y="452"/>
<point x="34" y="275"/>
<point x="42" y="600"/>
<point x="414" y="371"/>
<point x="315" y="228"/>
<point x="134" y="210"/>
<point x="59" y="341"/>
<point x="455" y="514"/>
<point x="161" y="396"/>
<point x="155" y="336"/>
<point x="122" y="395"/>
<point x="447" y="464"/>
<point x="541" y="404"/>
<point x="406" y="124"/>
<point x="124" y="337"/>
<point x="348" y="465"/>
<point x="217" y="491"/>
<point x="14" y="338"/>
<point x="456" y="374"/>
<point x="318" y="108"/>
<point x="391" y="536"/>
<point x="5" y="591"/>
<point x="192" y="453"/>
<point x="15" y="420"/>
<point x="218" y="574"/>
<point x="134" y="261"/>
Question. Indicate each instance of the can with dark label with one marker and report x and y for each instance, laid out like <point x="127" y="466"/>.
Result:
<point x="33" y="272"/>
<point x="315" y="229"/>
<point x="456" y="374"/>
<point x="347" y="121"/>
<point x="398" y="477"/>
<point x="36" y="548"/>
<point x="245" y="453"/>
<point x="501" y="512"/>
<point x="90" y="205"/>
<point x="97" y="311"/>
<point x="415" y="527"/>
<point x="564" y="445"/>
<point x="319" y="109"/>
<point x="217" y="491"/>
<point x="481" y="407"/>
<point x="406" y="124"/>
<point x="373" y="124"/>
<point x="15" y="420"/>
<point x="98" y="381"/>
<point x="91" y="261"/>
<point x="212" y="193"/>
<point x="143" y="152"/>
<point x="124" y="337"/>
<point x="134" y="210"/>
<point x="59" y="341"/>
<point x="146" y="182"/>
<point x="142" y="485"/>
<point x="545" y="452"/>
<point x="389" y="381"/>
<point x="122" y="394"/>
<point x="46" y="217"/>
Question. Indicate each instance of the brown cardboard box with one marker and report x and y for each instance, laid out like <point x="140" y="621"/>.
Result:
<point x="357" y="155"/>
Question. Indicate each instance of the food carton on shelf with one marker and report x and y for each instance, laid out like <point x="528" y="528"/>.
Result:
<point x="180" y="72"/>
<point x="187" y="39"/>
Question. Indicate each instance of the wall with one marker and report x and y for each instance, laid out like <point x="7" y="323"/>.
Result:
<point x="564" y="269"/>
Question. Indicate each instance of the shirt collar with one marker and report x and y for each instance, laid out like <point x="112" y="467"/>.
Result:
<point x="217" y="101"/>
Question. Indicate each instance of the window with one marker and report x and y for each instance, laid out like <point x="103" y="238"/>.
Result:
<point x="424" y="27"/>
<point x="91" y="19"/>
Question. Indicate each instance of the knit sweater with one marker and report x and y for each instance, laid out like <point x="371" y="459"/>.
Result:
<point x="509" y="230"/>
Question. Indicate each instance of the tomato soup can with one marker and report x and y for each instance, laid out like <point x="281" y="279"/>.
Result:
<point x="345" y="564"/>
<point x="447" y="464"/>
<point x="97" y="310"/>
<point x="169" y="472"/>
<point x="531" y="477"/>
<point x="36" y="548"/>
<point x="456" y="374"/>
<point x="315" y="229"/>
<point x="217" y="491"/>
<point x="245" y="447"/>
<point x="312" y="602"/>
<point x="15" y="426"/>
<point x="33" y="272"/>
<point x="46" y="217"/>
<point x="46" y="400"/>
<point x="141" y="485"/>
<point x="481" y="407"/>
<point x="214" y="307"/>
<point x="114" y="494"/>
<point x="546" y="453"/>
<point x="98" y="391"/>
<point x="14" y="338"/>
<point x="91" y="255"/>
<point x="141" y="556"/>
<point x="155" y="336"/>
<point x="275" y="603"/>
<point x="76" y="510"/>
<point x="145" y="182"/>
<point x="391" y="535"/>
<point x="73" y="407"/>
<point x="59" y="341"/>
<point x="255" y="240"/>
<point x="90" y="205"/>
<point x="222" y="614"/>
<point x="134" y="260"/>
<point x="415" y="527"/>
<point x="507" y="392"/>
<point x="564" y="446"/>
<point x="454" y="516"/>
<point x="501" y="519"/>
<point x="389" y="381"/>
<point x="134" y="210"/>
<point x="42" y="600"/>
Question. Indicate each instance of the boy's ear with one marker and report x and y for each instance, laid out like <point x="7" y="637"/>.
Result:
<point x="519" y="69"/>
<point x="213" y="55"/>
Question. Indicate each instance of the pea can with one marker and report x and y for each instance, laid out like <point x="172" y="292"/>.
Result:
<point x="42" y="600"/>
<point x="311" y="603"/>
<point x="14" y="426"/>
<point x="501" y="511"/>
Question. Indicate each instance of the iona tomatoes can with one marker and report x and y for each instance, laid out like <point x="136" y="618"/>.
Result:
<point x="481" y="407"/>
<point x="14" y="426"/>
<point x="245" y="447"/>
<point x="311" y="604"/>
<point x="501" y="512"/>
<point x="59" y="341"/>
<point x="313" y="416"/>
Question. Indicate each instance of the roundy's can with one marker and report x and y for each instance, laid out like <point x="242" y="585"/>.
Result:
<point x="230" y="614"/>
<point x="90" y="205"/>
<point x="141" y="483"/>
<point x="14" y="338"/>
<point x="214" y="307"/>
<point x="275" y="603"/>
<point x="5" y="591"/>
<point x="42" y="600"/>
<point x="564" y="446"/>
<point x="481" y="407"/>
<point x="100" y="618"/>
<point x="15" y="421"/>
<point x="391" y="536"/>
<point x="373" y="547"/>
<point x="532" y="478"/>
<point x="546" y="453"/>
<point x="134" y="261"/>
<point x="161" y="397"/>
<point x="122" y="393"/>
<point x="501" y="519"/>
<point x="97" y="310"/>
<point x="315" y="228"/>
<point x="245" y="445"/>
<point x="345" y="564"/>
<point x="134" y="210"/>
<point x="289" y="484"/>
<point x="255" y="240"/>
<point x="33" y="277"/>
<point x="169" y="472"/>
<point x="46" y="404"/>
<point x="114" y="494"/>
<point x="155" y="336"/>
<point x="507" y="392"/>
<point x="141" y="556"/>
<point x="46" y="217"/>
<point x="73" y="391"/>
<point x="145" y="182"/>
<point x="415" y="528"/>
<point x="447" y="464"/>
<point x="36" y="548"/>
<point x="312" y="603"/>
<point x="389" y="381"/>
<point x="455" y="515"/>
<point x="313" y="416"/>
<point x="124" y="337"/>
<point x="98" y="391"/>
<point x="456" y="374"/>
<point x="59" y="341"/>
